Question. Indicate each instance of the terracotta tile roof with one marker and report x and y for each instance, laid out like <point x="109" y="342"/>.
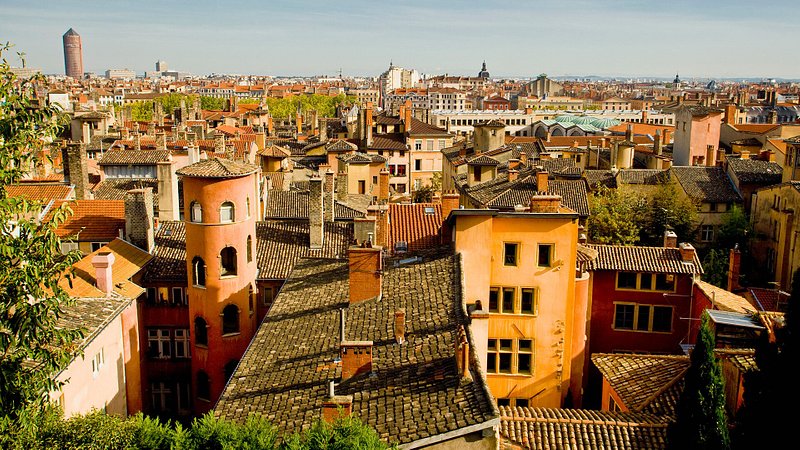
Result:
<point x="361" y="158"/>
<point x="742" y="359"/>
<point x="420" y="128"/>
<point x="282" y="244"/>
<point x="725" y="300"/>
<point x="340" y="145"/>
<point x="40" y="191"/>
<point x="92" y="220"/>
<point x="586" y="254"/>
<point x="641" y="128"/>
<point x="482" y="160"/>
<point x="706" y="184"/>
<point x="129" y="260"/>
<point x="757" y="128"/>
<point x="770" y="299"/>
<point x="583" y="141"/>
<point x="416" y="224"/>
<point x="558" y="166"/>
<point x="751" y="171"/>
<point x="277" y="179"/>
<point x="414" y="391"/>
<point x="128" y="157"/>
<point x="603" y="177"/>
<point x="556" y="429"/>
<point x="385" y="119"/>
<point x="643" y="259"/>
<point x="642" y="176"/>
<point x="93" y="314"/>
<point x="494" y="123"/>
<point x="644" y="382"/>
<point x="294" y="205"/>
<point x="115" y="188"/>
<point x="274" y="151"/>
<point x="388" y="142"/>
<point x="218" y="168"/>
<point x="699" y="110"/>
<point x="169" y="254"/>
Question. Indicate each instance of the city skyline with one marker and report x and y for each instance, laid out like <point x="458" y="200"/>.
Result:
<point x="611" y="38"/>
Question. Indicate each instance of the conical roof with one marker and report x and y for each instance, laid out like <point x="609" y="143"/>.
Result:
<point x="71" y="32"/>
<point x="218" y="168"/>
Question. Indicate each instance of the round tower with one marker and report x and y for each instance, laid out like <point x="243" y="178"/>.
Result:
<point x="220" y="209"/>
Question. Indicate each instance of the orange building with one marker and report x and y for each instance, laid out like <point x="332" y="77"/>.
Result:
<point x="522" y="270"/>
<point x="220" y="201"/>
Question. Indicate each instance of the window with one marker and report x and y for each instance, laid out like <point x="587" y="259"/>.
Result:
<point x="227" y="260"/>
<point x="545" y="256"/>
<point x="248" y="206"/>
<point x="362" y="187"/>
<point x="665" y="282"/>
<point x="249" y="248"/>
<point x="182" y="343"/>
<point x="442" y="144"/>
<point x="152" y="295"/>
<point x="418" y="144"/>
<point x="494" y="294"/>
<point x="417" y="164"/>
<point x="429" y="144"/>
<point x="196" y="212"/>
<point x="528" y="303"/>
<point x="510" y="356"/>
<point x="524" y="356"/>
<point x="712" y="207"/>
<point x="510" y="253"/>
<point x="476" y="173"/>
<point x="226" y="213"/>
<point x="401" y="170"/>
<point x="638" y="317"/>
<point x="203" y="386"/>
<point x="613" y="406"/>
<point x="706" y="233"/>
<point x="230" y="320"/>
<point x="158" y="343"/>
<point x="67" y="247"/>
<point x="162" y="397"/>
<point x="97" y="363"/>
<point x="230" y="368"/>
<point x="646" y="281"/>
<point x="200" y="332"/>
<point x="508" y="299"/>
<point x="97" y="245"/>
<point x="267" y="297"/>
<point x="198" y="271"/>
<point x="374" y="179"/>
<point x="179" y="296"/>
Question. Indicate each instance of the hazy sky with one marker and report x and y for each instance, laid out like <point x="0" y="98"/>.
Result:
<point x="696" y="38"/>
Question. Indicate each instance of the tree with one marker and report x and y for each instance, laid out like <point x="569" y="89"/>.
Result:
<point x="212" y="103"/>
<point x="734" y="230"/>
<point x="32" y="345"/>
<point x="768" y="390"/>
<point x="700" y="421"/>
<point x="669" y="209"/>
<point x="615" y="217"/>
<point x="141" y="111"/>
<point x="715" y="266"/>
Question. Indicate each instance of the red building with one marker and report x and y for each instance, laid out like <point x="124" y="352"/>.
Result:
<point x="641" y="298"/>
<point x="497" y="103"/>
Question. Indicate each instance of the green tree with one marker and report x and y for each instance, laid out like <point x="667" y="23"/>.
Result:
<point x="32" y="345"/>
<point x="615" y="217"/>
<point x="700" y="422"/>
<point x="734" y="230"/>
<point x="212" y="103"/>
<point x="669" y="209"/>
<point x="141" y="110"/>
<point x="763" y="421"/>
<point x="715" y="266"/>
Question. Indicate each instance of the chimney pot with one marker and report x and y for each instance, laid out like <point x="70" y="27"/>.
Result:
<point x="400" y="325"/>
<point x="541" y="181"/>
<point x="687" y="252"/>
<point x="331" y="408"/>
<point x="670" y="239"/>
<point x="734" y="266"/>
<point x="356" y="358"/>
<point x="102" y="263"/>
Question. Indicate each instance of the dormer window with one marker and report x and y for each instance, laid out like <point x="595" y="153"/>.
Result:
<point x="196" y="212"/>
<point x="226" y="212"/>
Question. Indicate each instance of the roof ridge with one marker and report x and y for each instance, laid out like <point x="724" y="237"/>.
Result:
<point x="663" y="389"/>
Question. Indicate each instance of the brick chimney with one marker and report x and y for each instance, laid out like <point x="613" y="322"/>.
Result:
<point x="462" y="353"/>
<point x="734" y="266"/>
<point x="657" y="143"/>
<point x="407" y="117"/>
<point x="270" y="126"/>
<point x="670" y="239"/>
<point x="329" y="205"/>
<point x="323" y="130"/>
<point x="400" y="326"/>
<point x="341" y="183"/>
<point x="139" y="218"/>
<point x="219" y="142"/>
<point x="730" y="114"/>
<point x="337" y="406"/>
<point x="363" y="228"/>
<point x="512" y="174"/>
<point x="102" y="263"/>
<point x="666" y="137"/>
<point x="383" y="186"/>
<point x="644" y="115"/>
<point x="151" y="128"/>
<point x="316" y="222"/>
<point x="368" y="122"/>
<point x="629" y="132"/>
<point x="161" y="141"/>
<point x="76" y="169"/>
<point x="687" y="252"/>
<point x="541" y="181"/>
<point x="513" y="163"/>
<point x="168" y="208"/>
<point x="381" y="215"/>
<point x="545" y="203"/>
<point x="137" y="141"/>
<point x="366" y="272"/>
<point x="356" y="358"/>
<point x="523" y="158"/>
<point x="450" y="202"/>
<point x="299" y="122"/>
<point x="711" y="156"/>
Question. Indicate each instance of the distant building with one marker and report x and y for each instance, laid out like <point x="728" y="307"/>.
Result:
<point x="397" y="77"/>
<point x="483" y="73"/>
<point x="73" y="54"/>
<point x="25" y="72"/>
<point x="117" y="74"/>
<point x="161" y="66"/>
<point x="697" y="131"/>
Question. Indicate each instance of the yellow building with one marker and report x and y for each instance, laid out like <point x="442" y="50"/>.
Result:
<point x="521" y="267"/>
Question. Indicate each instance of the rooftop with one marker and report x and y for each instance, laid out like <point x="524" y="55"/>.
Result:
<point x="416" y="224"/>
<point x="706" y="184"/>
<point x="128" y="261"/>
<point x="751" y="171"/>
<point x="643" y="259"/>
<point x="134" y="157"/>
<point x="92" y="220"/>
<point x="218" y="168"/>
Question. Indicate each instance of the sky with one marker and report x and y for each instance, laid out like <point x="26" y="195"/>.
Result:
<point x="618" y="38"/>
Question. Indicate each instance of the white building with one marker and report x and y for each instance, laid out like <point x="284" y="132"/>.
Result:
<point x="120" y="74"/>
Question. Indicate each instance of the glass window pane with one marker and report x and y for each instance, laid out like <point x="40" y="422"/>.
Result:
<point x="626" y="280"/>
<point x="623" y="317"/>
<point x="524" y="363"/>
<point x="527" y="301"/>
<point x="493" y="301"/>
<point x="643" y="318"/>
<point x="491" y="362"/>
<point x="665" y="282"/>
<point x="510" y="254"/>
<point x="505" y="362"/>
<point x="646" y="281"/>
<point x="545" y="253"/>
<point x="508" y="300"/>
<point x="662" y="318"/>
<point x="505" y="344"/>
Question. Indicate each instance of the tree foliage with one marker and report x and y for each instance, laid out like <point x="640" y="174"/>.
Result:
<point x="97" y="430"/>
<point x="212" y="103"/>
<point x="701" y="422"/>
<point x="734" y="230"/>
<point x="324" y="105"/>
<point x="32" y="345"/>
<point x="615" y="217"/>
<point x="763" y="421"/>
<point x="669" y="209"/>
<point x="715" y="267"/>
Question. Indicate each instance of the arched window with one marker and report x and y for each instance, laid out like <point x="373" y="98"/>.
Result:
<point x="200" y="331"/>
<point x="227" y="213"/>
<point x="248" y="206"/>
<point x="227" y="258"/>
<point x="196" y="212"/>
<point x="230" y="319"/>
<point x="230" y="367"/>
<point x="203" y="386"/>
<point x="249" y="249"/>
<point x="198" y="271"/>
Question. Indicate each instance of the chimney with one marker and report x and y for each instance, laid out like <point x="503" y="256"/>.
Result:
<point x="711" y="156"/>
<point x="383" y="186"/>
<point x="545" y="203"/>
<point x="356" y="358"/>
<point x="666" y="137"/>
<point x="323" y="130"/>
<point x="137" y="141"/>
<point x="547" y="136"/>
<point x="328" y="203"/>
<point x="298" y="119"/>
<point x="629" y="132"/>
<point x="523" y="158"/>
<point x="513" y="163"/>
<point x="316" y="223"/>
<point x="644" y="115"/>
<point x="407" y="117"/>
<point x="76" y="169"/>
<point x="161" y="141"/>
<point x="151" y="128"/>
<point x="174" y="131"/>
<point x="368" y="122"/>
<point x="450" y="202"/>
<point x="462" y="353"/>
<point x="341" y="183"/>
<point x="670" y="239"/>
<point x="364" y="228"/>
<point x="462" y="150"/>
<point x="400" y="326"/>
<point x="528" y="111"/>
<point x="194" y="154"/>
<point x="168" y="208"/>
<point x="270" y="126"/>
<point x="734" y="265"/>
<point x="512" y="175"/>
<point x="366" y="272"/>
<point x="541" y="181"/>
<point x="124" y="133"/>
<point x="219" y="142"/>
<point x="139" y="218"/>
<point x="730" y="114"/>
<point x="337" y="406"/>
<point x="687" y="252"/>
<point x="192" y="137"/>
<point x="657" y="143"/>
<point x="102" y="263"/>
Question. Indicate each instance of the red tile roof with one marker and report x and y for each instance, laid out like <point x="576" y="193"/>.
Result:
<point x="95" y="220"/>
<point x="415" y="224"/>
<point x="35" y="191"/>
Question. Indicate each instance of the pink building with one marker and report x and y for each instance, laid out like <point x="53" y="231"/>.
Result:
<point x="696" y="135"/>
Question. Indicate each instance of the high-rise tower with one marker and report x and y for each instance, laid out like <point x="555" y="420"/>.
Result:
<point x="73" y="54"/>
